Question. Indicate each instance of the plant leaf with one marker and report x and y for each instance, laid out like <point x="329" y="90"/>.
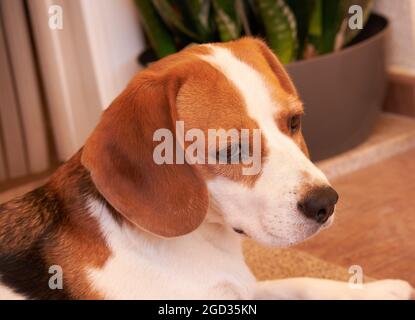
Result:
<point x="315" y="26"/>
<point x="280" y="28"/>
<point x="332" y="15"/>
<point x="241" y="11"/>
<point x="227" y="20"/>
<point x="158" y="35"/>
<point x="198" y="15"/>
<point x="173" y="19"/>
<point x="307" y="21"/>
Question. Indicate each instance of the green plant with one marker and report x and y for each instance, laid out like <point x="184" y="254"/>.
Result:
<point x="294" y="29"/>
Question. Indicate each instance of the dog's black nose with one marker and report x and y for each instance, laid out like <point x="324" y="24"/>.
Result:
<point x="318" y="204"/>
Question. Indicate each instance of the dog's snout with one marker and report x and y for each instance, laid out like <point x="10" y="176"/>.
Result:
<point x="318" y="204"/>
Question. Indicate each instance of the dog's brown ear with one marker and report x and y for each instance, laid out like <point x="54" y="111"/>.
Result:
<point x="277" y="68"/>
<point x="169" y="199"/>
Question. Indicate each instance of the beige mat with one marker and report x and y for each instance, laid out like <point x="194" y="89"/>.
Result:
<point x="267" y="264"/>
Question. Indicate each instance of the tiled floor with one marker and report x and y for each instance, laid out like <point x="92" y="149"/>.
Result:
<point x="375" y="222"/>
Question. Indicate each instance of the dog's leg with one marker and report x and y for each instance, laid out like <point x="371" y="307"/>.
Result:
<point x="322" y="289"/>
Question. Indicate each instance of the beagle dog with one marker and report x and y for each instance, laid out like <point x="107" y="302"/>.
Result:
<point x="112" y="223"/>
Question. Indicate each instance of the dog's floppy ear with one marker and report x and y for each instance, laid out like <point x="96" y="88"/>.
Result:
<point x="169" y="199"/>
<point x="277" y="68"/>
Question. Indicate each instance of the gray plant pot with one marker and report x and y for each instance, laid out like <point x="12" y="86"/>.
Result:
<point x="343" y="91"/>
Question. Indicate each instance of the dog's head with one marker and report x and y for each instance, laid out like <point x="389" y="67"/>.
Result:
<point x="239" y="86"/>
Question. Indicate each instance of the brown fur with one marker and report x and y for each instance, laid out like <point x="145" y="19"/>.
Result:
<point x="51" y="225"/>
<point x="200" y="104"/>
<point x="256" y="53"/>
<point x="119" y="155"/>
<point x="53" y="221"/>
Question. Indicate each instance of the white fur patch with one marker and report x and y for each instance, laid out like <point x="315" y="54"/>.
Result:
<point x="268" y="212"/>
<point x="8" y="294"/>
<point x="207" y="263"/>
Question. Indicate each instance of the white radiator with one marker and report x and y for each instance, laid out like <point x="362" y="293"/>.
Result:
<point x="82" y="67"/>
<point x="23" y="139"/>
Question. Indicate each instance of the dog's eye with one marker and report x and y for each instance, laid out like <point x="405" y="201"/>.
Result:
<point x="232" y="153"/>
<point x="294" y="123"/>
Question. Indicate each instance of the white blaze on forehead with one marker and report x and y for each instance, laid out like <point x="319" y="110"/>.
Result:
<point x="261" y="107"/>
<point x="257" y="96"/>
<point x="251" y="87"/>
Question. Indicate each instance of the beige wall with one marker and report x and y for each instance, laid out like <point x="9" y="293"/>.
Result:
<point x="401" y="47"/>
